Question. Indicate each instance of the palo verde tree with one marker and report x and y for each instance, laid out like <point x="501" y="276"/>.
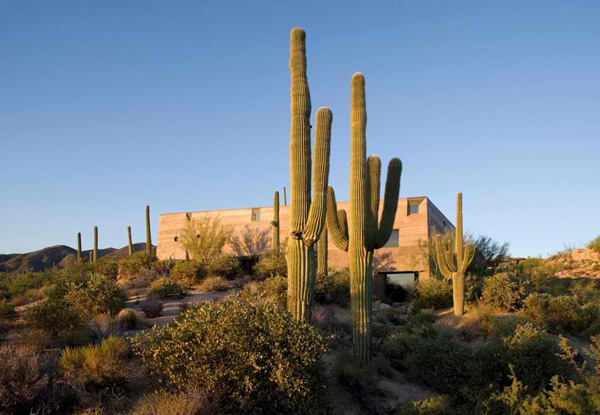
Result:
<point x="307" y="217"/>
<point x="365" y="232"/>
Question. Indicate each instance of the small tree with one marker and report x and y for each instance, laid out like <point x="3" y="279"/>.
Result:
<point x="252" y="241"/>
<point x="205" y="238"/>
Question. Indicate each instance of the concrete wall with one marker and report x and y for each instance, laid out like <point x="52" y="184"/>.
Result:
<point x="410" y="254"/>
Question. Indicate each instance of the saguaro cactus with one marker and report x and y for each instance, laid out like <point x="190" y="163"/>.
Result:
<point x="148" y="233"/>
<point x="322" y="253"/>
<point x="284" y="196"/>
<point x="453" y="263"/>
<point x="129" y="241"/>
<point x="275" y="223"/>
<point x="365" y="232"/>
<point x="307" y="218"/>
<point x="79" y="247"/>
<point x="95" y="256"/>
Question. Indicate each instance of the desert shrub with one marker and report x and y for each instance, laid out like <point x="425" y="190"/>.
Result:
<point x="562" y="313"/>
<point x="7" y="311"/>
<point x="183" y="403"/>
<point x="103" y="364"/>
<point x="98" y="295"/>
<point x="212" y="284"/>
<point x="54" y="316"/>
<point x="214" y="345"/>
<point x="251" y="242"/>
<point x="398" y="345"/>
<point x="333" y="288"/>
<point x="271" y="264"/>
<point x="594" y="244"/>
<point x="80" y="336"/>
<point x="152" y="307"/>
<point x="166" y="288"/>
<point x="359" y="379"/>
<point x="127" y="319"/>
<point x="188" y="273"/>
<point x="130" y="266"/>
<point x="21" y="375"/>
<point x="205" y="238"/>
<point x="502" y="292"/>
<point x="104" y="325"/>
<point x="438" y="405"/>
<point x="433" y="293"/>
<point x="586" y="291"/>
<point x="18" y="284"/>
<point x="273" y="290"/>
<point x="225" y="266"/>
<point x="107" y="266"/>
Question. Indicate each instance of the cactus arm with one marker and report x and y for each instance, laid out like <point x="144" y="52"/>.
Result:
<point x="441" y="259"/>
<point x="318" y="208"/>
<point x="372" y="195"/>
<point x="450" y="261"/>
<point x="458" y="246"/>
<point x="322" y="253"/>
<point x="390" y="203"/>
<point x="337" y="225"/>
<point x="469" y="254"/>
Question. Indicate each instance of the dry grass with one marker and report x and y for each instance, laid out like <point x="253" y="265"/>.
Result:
<point x="213" y="284"/>
<point x="164" y="403"/>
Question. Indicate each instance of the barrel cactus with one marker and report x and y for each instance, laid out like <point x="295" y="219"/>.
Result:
<point x="364" y="232"/>
<point x="454" y="261"/>
<point x="307" y="218"/>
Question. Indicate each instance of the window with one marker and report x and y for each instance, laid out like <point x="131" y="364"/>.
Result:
<point x="394" y="239"/>
<point x="255" y="217"/>
<point x="176" y="239"/>
<point x="413" y="208"/>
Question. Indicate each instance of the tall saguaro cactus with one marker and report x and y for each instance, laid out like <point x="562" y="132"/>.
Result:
<point x="322" y="253"/>
<point x="453" y="263"/>
<point x="365" y="232"/>
<point x="284" y="196"/>
<point x="307" y="218"/>
<point x="148" y="233"/>
<point x="78" y="246"/>
<point x="129" y="241"/>
<point x="95" y="257"/>
<point x="275" y="223"/>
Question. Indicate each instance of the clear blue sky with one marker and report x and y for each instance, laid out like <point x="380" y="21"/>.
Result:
<point x="106" y="106"/>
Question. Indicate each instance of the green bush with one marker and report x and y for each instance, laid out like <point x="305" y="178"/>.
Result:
<point x="333" y="288"/>
<point x="152" y="308"/>
<point x="54" y="316"/>
<point x="107" y="266"/>
<point x="212" y="284"/>
<point x="502" y="292"/>
<point x="397" y="346"/>
<point x="273" y="290"/>
<point x="594" y="244"/>
<point x="166" y="288"/>
<point x="562" y="313"/>
<point x="18" y="284"/>
<point x="103" y="364"/>
<point x="131" y="266"/>
<point x="216" y="345"/>
<point x="7" y="311"/>
<point x="98" y="295"/>
<point x="188" y="273"/>
<point x="270" y="265"/>
<point x="433" y="293"/>
<point x="225" y="266"/>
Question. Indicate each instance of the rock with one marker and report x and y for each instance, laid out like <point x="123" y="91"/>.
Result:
<point x="402" y="309"/>
<point x="384" y="307"/>
<point x="427" y="310"/>
<point x="376" y="305"/>
<point x="585" y="255"/>
<point x="409" y="309"/>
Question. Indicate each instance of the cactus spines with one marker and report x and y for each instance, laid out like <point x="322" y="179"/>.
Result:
<point x="95" y="256"/>
<point x="148" y="233"/>
<point x="322" y="253"/>
<point x="129" y="241"/>
<point x="78" y="246"/>
<point x="365" y="232"/>
<point x="275" y="223"/>
<point x="454" y="263"/>
<point x="307" y="218"/>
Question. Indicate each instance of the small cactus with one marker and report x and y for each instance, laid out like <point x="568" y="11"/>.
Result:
<point x="129" y="241"/>
<point x="148" y="233"/>
<point x="322" y="253"/>
<point x="453" y="263"/>
<point x="95" y="255"/>
<point x="275" y="223"/>
<point x="79" y="247"/>
<point x="307" y="218"/>
<point x="365" y="232"/>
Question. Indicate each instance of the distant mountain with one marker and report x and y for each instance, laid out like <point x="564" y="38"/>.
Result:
<point x="53" y="256"/>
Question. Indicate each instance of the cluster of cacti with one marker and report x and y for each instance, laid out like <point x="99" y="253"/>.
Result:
<point x="275" y="223"/>
<point x="453" y="263"/>
<point x="307" y="219"/>
<point x="365" y="232"/>
<point x="79" y="247"/>
<point x="148" y="233"/>
<point x="322" y="253"/>
<point x="95" y="254"/>
<point x="129" y="241"/>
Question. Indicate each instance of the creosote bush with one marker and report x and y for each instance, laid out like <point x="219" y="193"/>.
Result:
<point x="98" y="295"/>
<point x="188" y="273"/>
<point x="215" y="346"/>
<point x="333" y="288"/>
<point x="166" y="288"/>
<point x="225" y="266"/>
<point x="152" y="307"/>
<point x="54" y="316"/>
<point x="107" y="266"/>
<point x="502" y="292"/>
<point x="271" y="264"/>
<point x="561" y="313"/>
<point x="131" y="266"/>
<point x="433" y="293"/>
<point x="7" y="311"/>
<point x="213" y="284"/>
<point x="182" y="403"/>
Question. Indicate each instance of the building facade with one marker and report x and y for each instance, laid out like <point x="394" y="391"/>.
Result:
<point x="417" y="218"/>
